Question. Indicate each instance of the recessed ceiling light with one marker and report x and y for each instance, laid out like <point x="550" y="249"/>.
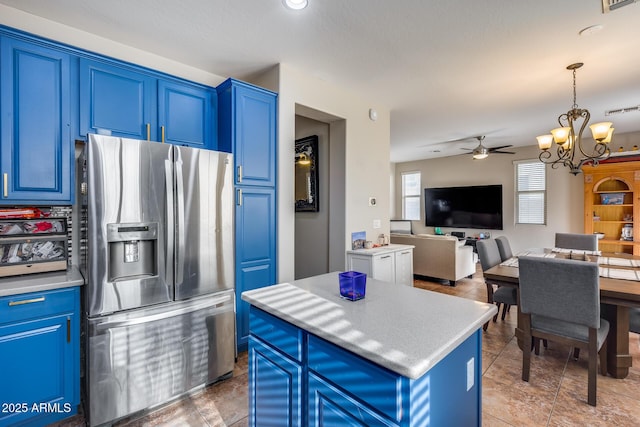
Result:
<point x="295" y="4"/>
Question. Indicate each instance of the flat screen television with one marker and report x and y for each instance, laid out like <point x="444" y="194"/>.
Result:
<point x="476" y="206"/>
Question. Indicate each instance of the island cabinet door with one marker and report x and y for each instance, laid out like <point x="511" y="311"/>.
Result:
<point x="330" y="406"/>
<point x="275" y="387"/>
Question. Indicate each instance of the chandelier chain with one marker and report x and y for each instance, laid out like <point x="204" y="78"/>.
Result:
<point x="575" y="104"/>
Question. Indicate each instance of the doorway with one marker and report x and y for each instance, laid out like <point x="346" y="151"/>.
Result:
<point x="317" y="233"/>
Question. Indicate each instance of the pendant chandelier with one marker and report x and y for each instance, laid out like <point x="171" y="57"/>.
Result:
<point x="570" y="149"/>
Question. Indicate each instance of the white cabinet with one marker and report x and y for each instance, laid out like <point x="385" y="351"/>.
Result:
<point x="404" y="266"/>
<point x="391" y="263"/>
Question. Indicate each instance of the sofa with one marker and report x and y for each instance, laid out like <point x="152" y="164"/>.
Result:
<point x="440" y="257"/>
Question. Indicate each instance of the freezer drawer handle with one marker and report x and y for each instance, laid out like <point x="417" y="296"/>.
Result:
<point x="25" y="301"/>
<point x="160" y="316"/>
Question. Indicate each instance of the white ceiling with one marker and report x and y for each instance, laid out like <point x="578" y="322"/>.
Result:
<point x="446" y="69"/>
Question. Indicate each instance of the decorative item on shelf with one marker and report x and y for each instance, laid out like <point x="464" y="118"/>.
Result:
<point x="612" y="198"/>
<point x="627" y="217"/>
<point x="569" y="140"/>
<point x="627" y="232"/>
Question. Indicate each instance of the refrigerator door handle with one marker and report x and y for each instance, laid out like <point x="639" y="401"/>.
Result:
<point x="168" y="170"/>
<point x="180" y="235"/>
<point x="164" y="315"/>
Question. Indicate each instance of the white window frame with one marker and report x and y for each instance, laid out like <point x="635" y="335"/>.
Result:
<point x="541" y="167"/>
<point x="405" y="197"/>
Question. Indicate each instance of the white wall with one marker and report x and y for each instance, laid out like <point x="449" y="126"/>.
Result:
<point x="565" y="201"/>
<point x="366" y="157"/>
<point x="565" y="192"/>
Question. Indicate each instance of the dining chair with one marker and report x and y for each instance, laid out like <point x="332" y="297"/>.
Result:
<point x="634" y="320"/>
<point x="586" y="242"/>
<point x="489" y="256"/>
<point x="504" y="248"/>
<point x="570" y="317"/>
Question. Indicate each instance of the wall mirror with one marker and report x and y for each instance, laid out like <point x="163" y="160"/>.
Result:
<point x="306" y="174"/>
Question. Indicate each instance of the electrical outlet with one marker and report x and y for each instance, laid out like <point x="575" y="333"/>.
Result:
<point x="376" y="223"/>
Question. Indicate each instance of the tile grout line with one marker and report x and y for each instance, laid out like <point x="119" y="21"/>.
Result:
<point x="555" y="398"/>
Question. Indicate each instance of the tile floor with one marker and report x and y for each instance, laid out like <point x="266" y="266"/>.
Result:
<point x="554" y="396"/>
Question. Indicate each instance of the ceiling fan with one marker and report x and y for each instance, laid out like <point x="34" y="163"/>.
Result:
<point x="481" y="152"/>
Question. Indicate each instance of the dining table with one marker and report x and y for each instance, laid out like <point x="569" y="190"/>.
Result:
<point x="619" y="290"/>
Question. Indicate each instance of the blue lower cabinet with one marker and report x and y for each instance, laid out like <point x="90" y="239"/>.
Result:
<point x="275" y="390"/>
<point x="343" y="389"/>
<point x="39" y="357"/>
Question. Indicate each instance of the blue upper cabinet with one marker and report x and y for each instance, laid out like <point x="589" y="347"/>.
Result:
<point x="132" y="103"/>
<point x="247" y="128"/>
<point x="36" y="154"/>
<point x="117" y="100"/>
<point x="185" y="114"/>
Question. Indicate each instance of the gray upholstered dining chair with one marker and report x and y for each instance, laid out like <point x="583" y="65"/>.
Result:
<point x="489" y="256"/>
<point x="570" y="317"/>
<point x="504" y="248"/>
<point x="587" y="242"/>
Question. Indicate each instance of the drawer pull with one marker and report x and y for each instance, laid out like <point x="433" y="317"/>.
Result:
<point x="385" y="257"/>
<point x="26" y="301"/>
<point x="5" y="178"/>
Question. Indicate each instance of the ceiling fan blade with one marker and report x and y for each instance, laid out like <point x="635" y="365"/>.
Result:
<point x="503" y="152"/>
<point x="500" y="147"/>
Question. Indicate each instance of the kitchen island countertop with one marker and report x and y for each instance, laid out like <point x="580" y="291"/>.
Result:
<point x="401" y="328"/>
<point x="39" y="282"/>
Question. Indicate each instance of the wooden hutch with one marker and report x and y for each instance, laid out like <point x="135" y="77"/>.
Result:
<point x="611" y="203"/>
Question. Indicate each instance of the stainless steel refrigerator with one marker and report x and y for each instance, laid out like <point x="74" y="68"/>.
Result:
<point x="157" y="247"/>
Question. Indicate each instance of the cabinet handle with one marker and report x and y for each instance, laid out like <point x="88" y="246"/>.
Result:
<point x="68" y="329"/>
<point x="239" y="197"/>
<point x="5" y="179"/>
<point x="386" y="256"/>
<point x="148" y="132"/>
<point x="162" y="132"/>
<point x="240" y="173"/>
<point x="25" y="301"/>
<point x="405" y="253"/>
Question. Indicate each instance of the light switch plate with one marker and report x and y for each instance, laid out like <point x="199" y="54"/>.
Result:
<point x="470" y="373"/>
<point x="376" y="223"/>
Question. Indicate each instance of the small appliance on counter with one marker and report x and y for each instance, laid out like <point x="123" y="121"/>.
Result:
<point x="32" y="245"/>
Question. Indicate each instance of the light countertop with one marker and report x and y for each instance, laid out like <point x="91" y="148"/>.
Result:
<point x="380" y="250"/>
<point x="405" y="329"/>
<point x="39" y="282"/>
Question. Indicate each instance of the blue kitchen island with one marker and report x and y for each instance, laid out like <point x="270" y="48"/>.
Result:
<point x="401" y="356"/>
